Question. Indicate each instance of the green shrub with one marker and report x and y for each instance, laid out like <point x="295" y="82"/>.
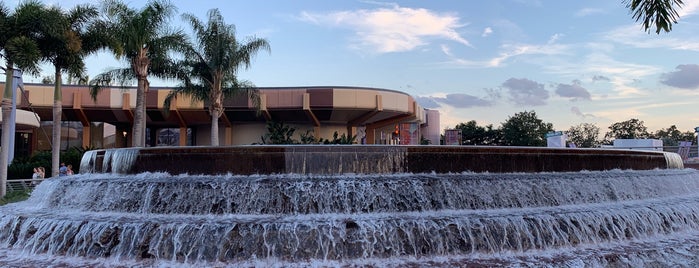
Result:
<point x="344" y="139"/>
<point x="22" y="168"/>
<point x="15" y="196"/>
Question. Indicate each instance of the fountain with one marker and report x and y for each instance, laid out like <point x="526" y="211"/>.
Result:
<point x="370" y="206"/>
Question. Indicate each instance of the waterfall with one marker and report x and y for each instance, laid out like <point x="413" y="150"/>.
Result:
<point x="294" y="218"/>
<point x="119" y="161"/>
<point x="674" y="160"/>
<point x="374" y="206"/>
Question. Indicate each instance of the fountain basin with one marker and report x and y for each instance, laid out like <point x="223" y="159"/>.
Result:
<point x="370" y="206"/>
<point x="339" y="159"/>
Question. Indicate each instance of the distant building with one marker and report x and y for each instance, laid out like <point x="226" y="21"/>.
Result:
<point x="375" y="116"/>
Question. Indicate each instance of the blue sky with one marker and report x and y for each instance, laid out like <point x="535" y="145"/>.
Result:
<point x="570" y="61"/>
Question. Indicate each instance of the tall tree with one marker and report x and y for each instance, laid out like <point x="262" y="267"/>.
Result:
<point x="584" y="135"/>
<point x="65" y="44"/>
<point x="660" y="14"/>
<point x="473" y="134"/>
<point x="525" y="129"/>
<point x="142" y="38"/>
<point x="212" y="63"/>
<point x="19" y="49"/>
<point x="629" y="129"/>
<point x="672" y="136"/>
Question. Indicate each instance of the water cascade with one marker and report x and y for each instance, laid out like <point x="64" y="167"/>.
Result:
<point x="361" y="206"/>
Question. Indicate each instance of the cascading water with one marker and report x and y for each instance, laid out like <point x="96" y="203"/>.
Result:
<point x="586" y="218"/>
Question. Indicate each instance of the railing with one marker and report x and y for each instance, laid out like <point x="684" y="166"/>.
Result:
<point x="22" y="185"/>
<point x="673" y="149"/>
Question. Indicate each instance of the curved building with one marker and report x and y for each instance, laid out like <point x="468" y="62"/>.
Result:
<point x="374" y="116"/>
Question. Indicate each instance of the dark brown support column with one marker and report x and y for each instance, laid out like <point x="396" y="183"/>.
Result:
<point x="77" y="106"/>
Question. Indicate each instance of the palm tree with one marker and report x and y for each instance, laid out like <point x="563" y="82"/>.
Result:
<point x="65" y="45"/>
<point x="659" y="13"/>
<point x="19" y="50"/>
<point x="212" y="63"/>
<point x="142" y="39"/>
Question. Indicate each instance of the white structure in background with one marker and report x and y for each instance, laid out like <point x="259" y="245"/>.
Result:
<point x="25" y="120"/>
<point x="556" y="139"/>
<point x="20" y="120"/>
<point x="432" y="131"/>
<point x="639" y="144"/>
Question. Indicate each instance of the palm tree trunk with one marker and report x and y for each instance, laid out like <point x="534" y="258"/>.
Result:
<point x="5" y="139"/>
<point x="216" y="111"/>
<point x="215" y="115"/>
<point x="138" y="130"/>
<point x="56" y="133"/>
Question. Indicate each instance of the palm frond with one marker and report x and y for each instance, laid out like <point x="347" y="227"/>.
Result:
<point x="122" y="77"/>
<point x="660" y="14"/>
<point x="24" y="53"/>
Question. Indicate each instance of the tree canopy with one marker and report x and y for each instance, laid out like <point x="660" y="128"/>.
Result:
<point x="473" y="134"/>
<point x="211" y="64"/>
<point x="144" y="40"/>
<point x="629" y="129"/>
<point x="525" y="129"/>
<point x="584" y="135"/>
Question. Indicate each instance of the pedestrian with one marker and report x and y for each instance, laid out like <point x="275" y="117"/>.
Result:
<point x="69" y="170"/>
<point x="37" y="176"/>
<point x="63" y="170"/>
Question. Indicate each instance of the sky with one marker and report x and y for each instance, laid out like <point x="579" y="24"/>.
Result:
<point x="571" y="62"/>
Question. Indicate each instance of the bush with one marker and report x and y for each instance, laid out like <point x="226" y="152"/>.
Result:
<point x="15" y="196"/>
<point x="22" y="168"/>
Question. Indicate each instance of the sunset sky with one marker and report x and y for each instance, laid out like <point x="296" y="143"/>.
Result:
<point x="569" y="61"/>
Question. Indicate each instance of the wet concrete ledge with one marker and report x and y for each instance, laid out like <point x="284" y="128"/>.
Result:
<point x="368" y="159"/>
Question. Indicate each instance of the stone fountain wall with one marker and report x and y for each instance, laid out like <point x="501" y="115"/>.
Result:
<point x="338" y="159"/>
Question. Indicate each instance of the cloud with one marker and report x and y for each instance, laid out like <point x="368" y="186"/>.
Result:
<point x="392" y="28"/>
<point x="634" y="37"/>
<point x="573" y="91"/>
<point x="600" y="78"/>
<point x="526" y="92"/>
<point x="576" y="111"/>
<point x="460" y="100"/>
<point x="457" y="100"/>
<point x="554" y="38"/>
<point x="588" y="11"/>
<point x="622" y="75"/>
<point x="510" y="50"/>
<point x="487" y="31"/>
<point x="686" y="76"/>
<point x="427" y="102"/>
<point x="688" y="9"/>
<point x="446" y="50"/>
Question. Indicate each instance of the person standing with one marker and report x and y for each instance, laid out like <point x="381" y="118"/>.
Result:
<point x="37" y="176"/>
<point x="63" y="170"/>
<point x="69" y="170"/>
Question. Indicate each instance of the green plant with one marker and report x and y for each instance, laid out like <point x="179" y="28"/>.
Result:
<point x="22" y="168"/>
<point x="308" y="138"/>
<point x="337" y="139"/>
<point x="15" y="196"/>
<point x="278" y="133"/>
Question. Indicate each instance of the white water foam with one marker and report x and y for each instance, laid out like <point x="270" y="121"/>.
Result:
<point x="636" y="218"/>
